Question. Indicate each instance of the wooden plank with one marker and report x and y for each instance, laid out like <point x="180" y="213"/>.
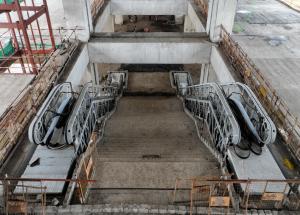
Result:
<point x="219" y="201"/>
<point x="272" y="197"/>
<point x="14" y="207"/>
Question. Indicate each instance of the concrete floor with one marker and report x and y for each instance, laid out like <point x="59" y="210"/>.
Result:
<point x="11" y="86"/>
<point x="153" y="26"/>
<point x="269" y="32"/>
<point x="143" y="127"/>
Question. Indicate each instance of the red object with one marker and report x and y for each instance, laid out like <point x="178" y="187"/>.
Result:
<point x="23" y="34"/>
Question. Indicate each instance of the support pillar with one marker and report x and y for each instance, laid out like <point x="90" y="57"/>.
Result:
<point x="78" y="15"/>
<point x="220" y="12"/>
<point x="95" y="72"/>
<point x="106" y="22"/>
<point x="188" y="25"/>
<point x="204" y="73"/>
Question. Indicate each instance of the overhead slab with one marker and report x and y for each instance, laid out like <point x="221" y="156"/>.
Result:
<point x="150" y="48"/>
<point x="148" y="7"/>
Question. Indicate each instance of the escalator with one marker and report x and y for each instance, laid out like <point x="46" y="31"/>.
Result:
<point x="63" y="127"/>
<point x="235" y="126"/>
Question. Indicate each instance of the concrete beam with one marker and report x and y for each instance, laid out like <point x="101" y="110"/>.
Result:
<point x="148" y="7"/>
<point x="152" y="48"/>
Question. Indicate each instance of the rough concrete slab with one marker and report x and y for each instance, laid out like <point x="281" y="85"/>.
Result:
<point x="11" y="86"/>
<point x="249" y="168"/>
<point x="48" y="168"/>
<point x="149" y="82"/>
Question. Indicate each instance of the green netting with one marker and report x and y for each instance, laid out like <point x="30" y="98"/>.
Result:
<point x="7" y="48"/>
<point x="8" y="1"/>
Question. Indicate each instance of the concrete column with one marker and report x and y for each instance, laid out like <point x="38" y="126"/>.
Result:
<point x="220" y="12"/>
<point x="106" y="22"/>
<point x="188" y="25"/>
<point x="179" y="20"/>
<point x="95" y="71"/>
<point x="204" y="73"/>
<point x="119" y="20"/>
<point x="78" y="15"/>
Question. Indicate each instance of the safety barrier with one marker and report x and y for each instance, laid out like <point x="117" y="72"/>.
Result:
<point x="22" y="195"/>
<point x="220" y="192"/>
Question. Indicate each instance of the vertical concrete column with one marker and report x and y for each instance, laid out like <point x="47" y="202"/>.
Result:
<point x="95" y="73"/>
<point x="188" y="25"/>
<point x="220" y="12"/>
<point x="119" y="20"/>
<point x="204" y="73"/>
<point x="78" y="15"/>
<point x="106" y="22"/>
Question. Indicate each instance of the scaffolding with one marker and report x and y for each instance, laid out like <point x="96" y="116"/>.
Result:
<point x="24" y="43"/>
<point x="22" y="195"/>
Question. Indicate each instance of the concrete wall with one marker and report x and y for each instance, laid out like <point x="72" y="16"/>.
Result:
<point x="79" y="68"/>
<point x="221" y="70"/>
<point x="148" y="7"/>
<point x="149" y="50"/>
<point x="105" y="22"/>
<point x="78" y="15"/>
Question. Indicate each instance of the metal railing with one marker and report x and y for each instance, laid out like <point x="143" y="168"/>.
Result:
<point x="81" y="108"/>
<point x="203" y="110"/>
<point x="98" y="112"/>
<point x="93" y="106"/>
<point x="211" y="92"/>
<point x="22" y="195"/>
<point x="238" y="195"/>
<point x="287" y="123"/>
